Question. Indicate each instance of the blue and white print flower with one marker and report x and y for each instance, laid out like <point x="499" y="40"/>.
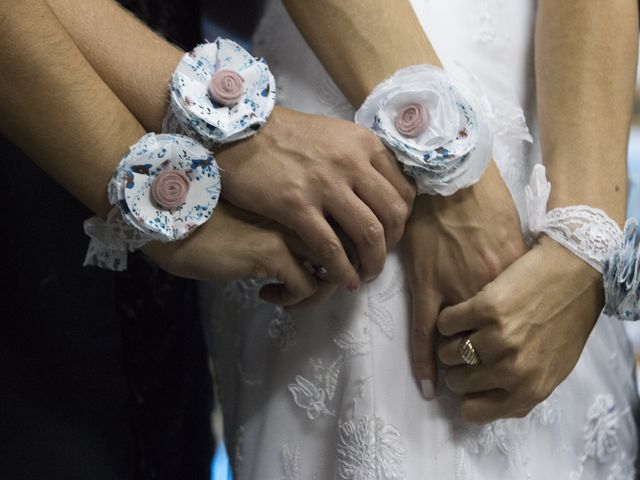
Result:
<point x="220" y="93"/>
<point x="132" y="186"/>
<point x="163" y="189"/>
<point x="437" y="128"/>
<point x="622" y="276"/>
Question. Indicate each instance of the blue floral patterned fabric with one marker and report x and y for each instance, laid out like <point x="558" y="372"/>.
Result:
<point x="194" y="113"/>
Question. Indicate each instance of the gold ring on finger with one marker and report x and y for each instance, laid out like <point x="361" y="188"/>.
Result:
<point x="468" y="352"/>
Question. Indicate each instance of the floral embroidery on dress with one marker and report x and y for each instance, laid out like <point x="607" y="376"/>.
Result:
<point x="600" y="432"/>
<point x="291" y="463"/>
<point x="601" y="439"/>
<point x="377" y="312"/>
<point x="310" y="397"/>
<point x="282" y="328"/>
<point x="244" y="293"/>
<point x="623" y="469"/>
<point x="547" y="413"/>
<point x="506" y="437"/>
<point x="370" y="450"/>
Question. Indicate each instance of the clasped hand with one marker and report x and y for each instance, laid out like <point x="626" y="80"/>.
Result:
<point x="528" y="313"/>
<point x="325" y="191"/>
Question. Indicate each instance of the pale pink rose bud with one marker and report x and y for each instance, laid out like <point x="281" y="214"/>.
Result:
<point x="226" y="87"/>
<point x="412" y="120"/>
<point x="169" y="189"/>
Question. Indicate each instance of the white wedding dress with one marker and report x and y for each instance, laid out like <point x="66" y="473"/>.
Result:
<point x="328" y="393"/>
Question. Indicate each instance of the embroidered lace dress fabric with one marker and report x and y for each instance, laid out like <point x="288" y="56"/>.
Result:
<point x="328" y="393"/>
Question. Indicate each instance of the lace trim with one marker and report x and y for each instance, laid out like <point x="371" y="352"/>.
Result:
<point x="587" y="232"/>
<point x="111" y="240"/>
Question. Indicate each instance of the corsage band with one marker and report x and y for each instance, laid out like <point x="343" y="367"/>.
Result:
<point x="597" y="239"/>
<point x="163" y="189"/>
<point x="436" y="127"/>
<point x="219" y="93"/>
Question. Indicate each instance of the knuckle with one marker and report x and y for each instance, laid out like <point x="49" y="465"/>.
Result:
<point x="373" y="233"/>
<point x="293" y="200"/>
<point x="399" y="215"/>
<point x="365" y="137"/>
<point x="330" y="249"/>
<point x="490" y="306"/>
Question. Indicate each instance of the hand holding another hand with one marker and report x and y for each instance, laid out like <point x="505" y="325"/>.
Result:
<point x="307" y="172"/>
<point x="453" y="247"/>
<point x="528" y="327"/>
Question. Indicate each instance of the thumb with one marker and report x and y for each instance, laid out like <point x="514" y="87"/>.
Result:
<point x="425" y="308"/>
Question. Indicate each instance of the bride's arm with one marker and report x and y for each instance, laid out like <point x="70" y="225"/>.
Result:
<point x="531" y="323"/>
<point x="57" y="110"/>
<point x="586" y="54"/>
<point x="362" y="43"/>
<point x="453" y="246"/>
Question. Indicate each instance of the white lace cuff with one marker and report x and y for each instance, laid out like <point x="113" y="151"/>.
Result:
<point x="587" y="232"/>
<point x="220" y="93"/>
<point x="163" y="189"/>
<point x="593" y="236"/>
<point x="439" y="129"/>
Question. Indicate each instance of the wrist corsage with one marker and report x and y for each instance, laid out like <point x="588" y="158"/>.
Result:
<point x="163" y="189"/>
<point x="220" y="93"/>
<point x="597" y="239"/>
<point x="438" y="128"/>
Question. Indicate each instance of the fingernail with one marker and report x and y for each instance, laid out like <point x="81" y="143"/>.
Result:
<point x="427" y="389"/>
<point x="354" y="285"/>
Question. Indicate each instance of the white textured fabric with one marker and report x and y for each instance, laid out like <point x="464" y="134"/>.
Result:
<point x="328" y="393"/>
<point x="587" y="232"/>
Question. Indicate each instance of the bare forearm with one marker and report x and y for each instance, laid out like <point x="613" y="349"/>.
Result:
<point x="134" y="61"/>
<point x="54" y="106"/>
<point x="361" y="43"/>
<point x="586" y="53"/>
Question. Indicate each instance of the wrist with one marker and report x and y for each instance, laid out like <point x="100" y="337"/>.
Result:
<point x="565" y="266"/>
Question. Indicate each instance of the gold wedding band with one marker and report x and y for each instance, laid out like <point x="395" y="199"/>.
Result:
<point x="468" y="353"/>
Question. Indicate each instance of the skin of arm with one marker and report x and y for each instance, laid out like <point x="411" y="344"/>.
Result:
<point x="534" y="320"/>
<point x="453" y="246"/>
<point x="298" y="170"/>
<point x="56" y="108"/>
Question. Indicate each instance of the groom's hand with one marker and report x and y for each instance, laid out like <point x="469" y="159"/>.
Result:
<point x="453" y="247"/>
<point x="305" y="172"/>
<point x="528" y="328"/>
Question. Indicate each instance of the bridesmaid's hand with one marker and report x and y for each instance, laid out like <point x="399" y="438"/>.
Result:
<point x="528" y="328"/>
<point x="305" y="171"/>
<point x="236" y="245"/>
<point x="453" y="247"/>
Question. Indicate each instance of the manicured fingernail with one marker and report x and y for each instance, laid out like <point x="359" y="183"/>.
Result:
<point x="427" y="389"/>
<point x="354" y="285"/>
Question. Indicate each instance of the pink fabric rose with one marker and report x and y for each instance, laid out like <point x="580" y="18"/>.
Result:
<point x="169" y="189"/>
<point x="226" y="87"/>
<point x="412" y="120"/>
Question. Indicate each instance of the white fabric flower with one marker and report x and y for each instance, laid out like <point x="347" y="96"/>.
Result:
<point x="220" y="93"/>
<point x="436" y="126"/>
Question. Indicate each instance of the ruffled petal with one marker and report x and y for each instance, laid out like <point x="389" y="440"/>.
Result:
<point x="622" y="276"/>
<point x="194" y="113"/>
